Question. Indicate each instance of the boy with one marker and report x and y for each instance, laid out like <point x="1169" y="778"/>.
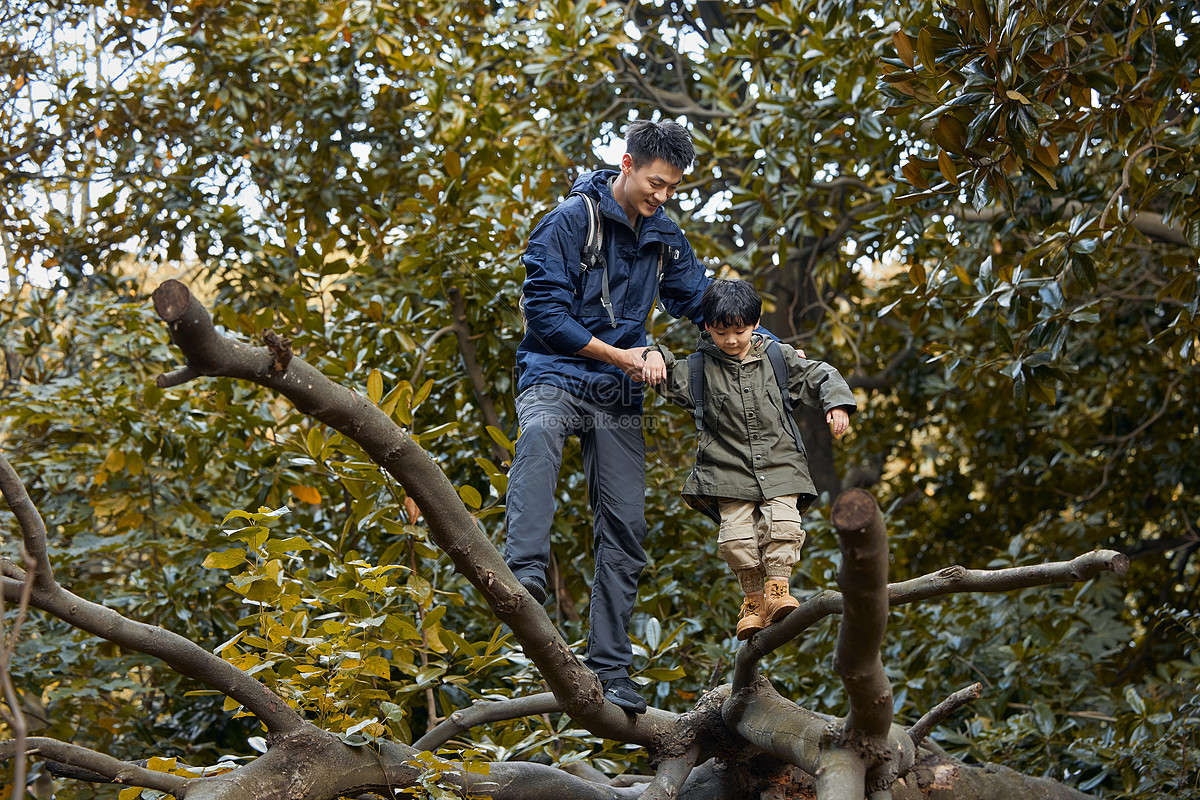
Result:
<point x="750" y="473"/>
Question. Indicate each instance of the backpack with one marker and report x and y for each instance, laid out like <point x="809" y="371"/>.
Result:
<point x="592" y="256"/>
<point x="779" y="367"/>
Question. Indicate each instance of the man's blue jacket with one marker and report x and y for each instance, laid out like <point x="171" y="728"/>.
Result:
<point x="563" y="306"/>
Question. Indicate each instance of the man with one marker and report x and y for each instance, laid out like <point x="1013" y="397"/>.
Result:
<point x="579" y="370"/>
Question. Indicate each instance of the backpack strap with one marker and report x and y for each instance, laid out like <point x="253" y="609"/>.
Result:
<point x="695" y="362"/>
<point x="775" y="354"/>
<point x="592" y="254"/>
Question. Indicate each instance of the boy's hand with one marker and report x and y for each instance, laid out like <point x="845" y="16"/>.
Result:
<point x="839" y="421"/>
<point x="654" y="368"/>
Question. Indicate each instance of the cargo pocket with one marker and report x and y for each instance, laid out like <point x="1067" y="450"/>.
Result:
<point x="739" y="547"/>
<point x="784" y="536"/>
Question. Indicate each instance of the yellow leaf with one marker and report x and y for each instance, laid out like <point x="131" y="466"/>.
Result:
<point x="470" y="495"/>
<point x="307" y="494"/>
<point x="226" y="559"/>
<point x="161" y="764"/>
<point x="377" y="666"/>
<point x="132" y="793"/>
<point x="499" y="438"/>
<point x="422" y="393"/>
<point x="375" y="386"/>
<point x="114" y="461"/>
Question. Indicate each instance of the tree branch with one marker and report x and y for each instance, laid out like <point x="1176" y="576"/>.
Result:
<point x="951" y="580"/>
<point x="863" y="580"/>
<point x="102" y="765"/>
<point x="671" y="774"/>
<point x="932" y="718"/>
<point x="181" y="654"/>
<point x="33" y="529"/>
<point x="451" y="527"/>
<point x="484" y="711"/>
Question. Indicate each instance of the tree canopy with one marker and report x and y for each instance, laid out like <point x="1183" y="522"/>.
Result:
<point x="980" y="213"/>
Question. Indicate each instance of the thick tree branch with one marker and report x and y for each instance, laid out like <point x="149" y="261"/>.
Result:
<point x="671" y="774"/>
<point x="451" y="527"/>
<point x="765" y="719"/>
<point x="33" y="529"/>
<point x="863" y="580"/>
<point x="105" y="766"/>
<point x="795" y="735"/>
<point x="860" y="760"/>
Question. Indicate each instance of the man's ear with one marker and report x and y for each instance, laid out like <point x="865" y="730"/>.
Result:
<point x="626" y="164"/>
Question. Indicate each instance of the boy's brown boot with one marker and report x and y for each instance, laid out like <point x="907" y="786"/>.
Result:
<point x="780" y="602"/>
<point x="751" y="620"/>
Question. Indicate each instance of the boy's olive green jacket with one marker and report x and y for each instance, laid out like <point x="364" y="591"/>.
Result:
<point x="746" y="451"/>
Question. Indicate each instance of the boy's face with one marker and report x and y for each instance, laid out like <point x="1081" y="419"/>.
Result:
<point x="733" y="339"/>
<point x="649" y="186"/>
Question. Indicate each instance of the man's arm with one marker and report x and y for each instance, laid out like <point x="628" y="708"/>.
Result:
<point x="629" y="361"/>
<point x="550" y="259"/>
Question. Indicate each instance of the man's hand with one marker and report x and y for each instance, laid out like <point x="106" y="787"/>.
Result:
<point x="654" y="369"/>
<point x="628" y="361"/>
<point x="838" y="421"/>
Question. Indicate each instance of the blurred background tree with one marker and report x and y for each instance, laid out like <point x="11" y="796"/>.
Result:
<point x="981" y="213"/>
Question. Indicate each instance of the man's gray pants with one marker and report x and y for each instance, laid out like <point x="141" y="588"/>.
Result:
<point x="614" y="462"/>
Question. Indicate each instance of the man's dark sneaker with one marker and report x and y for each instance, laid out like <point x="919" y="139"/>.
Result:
<point x="624" y="693"/>
<point x="535" y="589"/>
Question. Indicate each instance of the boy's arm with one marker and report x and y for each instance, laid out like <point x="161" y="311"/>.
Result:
<point x="674" y="386"/>
<point x="817" y="384"/>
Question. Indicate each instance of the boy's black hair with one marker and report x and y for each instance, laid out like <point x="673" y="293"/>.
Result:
<point x="727" y="303"/>
<point x="646" y="141"/>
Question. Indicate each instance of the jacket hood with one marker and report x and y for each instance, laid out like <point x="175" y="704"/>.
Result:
<point x="594" y="183"/>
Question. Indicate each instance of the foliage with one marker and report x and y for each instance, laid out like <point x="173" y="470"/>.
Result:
<point x="978" y="212"/>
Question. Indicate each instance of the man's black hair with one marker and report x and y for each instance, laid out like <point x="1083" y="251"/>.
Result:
<point x="646" y="141"/>
<point x="727" y="303"/>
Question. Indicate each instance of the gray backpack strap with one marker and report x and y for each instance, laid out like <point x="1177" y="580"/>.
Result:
<point x="695" y="363"/>
<point x="593" y="252"/>
<point x="775" y="354"/>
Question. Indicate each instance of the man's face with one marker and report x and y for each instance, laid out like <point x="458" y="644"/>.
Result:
<point x="733" y="340"/>
<point x="651" y="185"/>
